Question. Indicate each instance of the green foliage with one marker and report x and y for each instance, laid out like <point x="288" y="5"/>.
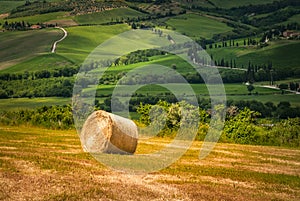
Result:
<point x="26" y="75"/>
<point x="171" y="114"/>
<point x="279" y="52"/>
<point x="54" y="117"/>
<point x="45" y="87"/>
<point x="250" y="88"/>
<point x="284" y="133"/>
<point x="241" y="128"/>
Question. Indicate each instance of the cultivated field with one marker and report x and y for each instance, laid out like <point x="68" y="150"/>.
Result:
<point x="39" y="164"/>
<point x="46" y="61"/>
<point x="20" y="46"/>
<point x="15" y="104"/>
<point x="197" y="26"/>
<point x="42" y="18"/>
<point x="237" y="3"/>
<point x="108" y="16"/>
<point x="7" y="6"/>
<point x="282" y="54"/>
<point x="82" y="40"/>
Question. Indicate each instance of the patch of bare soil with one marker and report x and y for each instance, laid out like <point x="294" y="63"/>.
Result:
<point x="4" y="15"/>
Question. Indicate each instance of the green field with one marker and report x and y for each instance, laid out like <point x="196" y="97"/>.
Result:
<point x="199" y="89"/>
<point x="234" y="92"/>
<point x="26" y="103"/>
<point x="42" y="164"/>
<point x="293" y="19"/>
<point x="237" y="3"/>
<point x="54" y="164"/>
<point x="20" y="46"/>
<point x="82" y="40"/>
<point x="7" y="6"/>
<point x="39" y="18"/>
<point x="194" y="25"/>
<point x="108" y="16"/>
<point x="293" y="99"/>
<point x="41" y="62"/>
<point x="283" y="54"/>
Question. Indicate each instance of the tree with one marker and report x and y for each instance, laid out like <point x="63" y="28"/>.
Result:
<point x="293" y="86"/>
<point x="241" y="128"/>
<point x="284" y="104"/>
<point x="134" y="26"/>
<point x="283" y="87"/>
<point x="3" y="94"/>
<point x="250" y="88"/>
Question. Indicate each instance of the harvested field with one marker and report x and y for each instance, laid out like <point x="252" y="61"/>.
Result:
<point x="40" y="164"/>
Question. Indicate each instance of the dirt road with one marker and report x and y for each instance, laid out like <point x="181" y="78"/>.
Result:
<point x="55" y="43"/>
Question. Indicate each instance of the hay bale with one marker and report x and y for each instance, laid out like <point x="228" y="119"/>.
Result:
<point x="104" y="132"/>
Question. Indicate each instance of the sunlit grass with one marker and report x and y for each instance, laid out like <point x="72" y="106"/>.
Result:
<point x="55" y="159"/>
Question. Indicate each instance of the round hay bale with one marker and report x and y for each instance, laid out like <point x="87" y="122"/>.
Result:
<point x="104" y="132"/>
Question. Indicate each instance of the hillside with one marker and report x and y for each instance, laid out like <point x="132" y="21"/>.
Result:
<point x="203" y="22"/>
<point x="20" y="46"/>
<point x="225" y="71"/>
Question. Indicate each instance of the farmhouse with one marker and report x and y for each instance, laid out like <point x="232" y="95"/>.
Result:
<point x="291" y="34"/>
<point x="35" y="26"/>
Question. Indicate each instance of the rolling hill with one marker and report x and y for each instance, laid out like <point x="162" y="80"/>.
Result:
<point x="36" y="87"/>
<point x="17" y="47"/>
<point x="197" y="26"/>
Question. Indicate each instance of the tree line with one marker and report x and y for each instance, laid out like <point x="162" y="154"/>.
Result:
<point x="52" y="117"/>
<point x="26" y="75"/>
<point x="242" y="126"/>
<point x="46" y="87"/>
<point x="282" y="110"/>
<point x="23" y="26"/>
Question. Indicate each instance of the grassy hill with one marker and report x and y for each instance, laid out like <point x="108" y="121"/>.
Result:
<point x="194" y="25"/>
<point x="225" y="4"/>
<point x="93" y="18"/>
<point x="7" y="6"/>
<point x="283" y="54"/>
<point x="237" y="3"/>
<point x="37" y="163"/>
<point x="108" y="16"/>
<point x="42" y="18"/>
<point x="47" y="61"/>
<point x="82" y="40"/>
<point x="295" y="18"/>
<point x="20" y="46"/>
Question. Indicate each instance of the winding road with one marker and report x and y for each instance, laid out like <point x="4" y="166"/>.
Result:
<point x="55" y="43"/>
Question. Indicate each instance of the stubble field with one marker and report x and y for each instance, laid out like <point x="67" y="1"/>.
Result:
<point x="39" y="164"/>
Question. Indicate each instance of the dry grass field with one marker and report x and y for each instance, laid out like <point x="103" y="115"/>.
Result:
<point x="40" y="164"/>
